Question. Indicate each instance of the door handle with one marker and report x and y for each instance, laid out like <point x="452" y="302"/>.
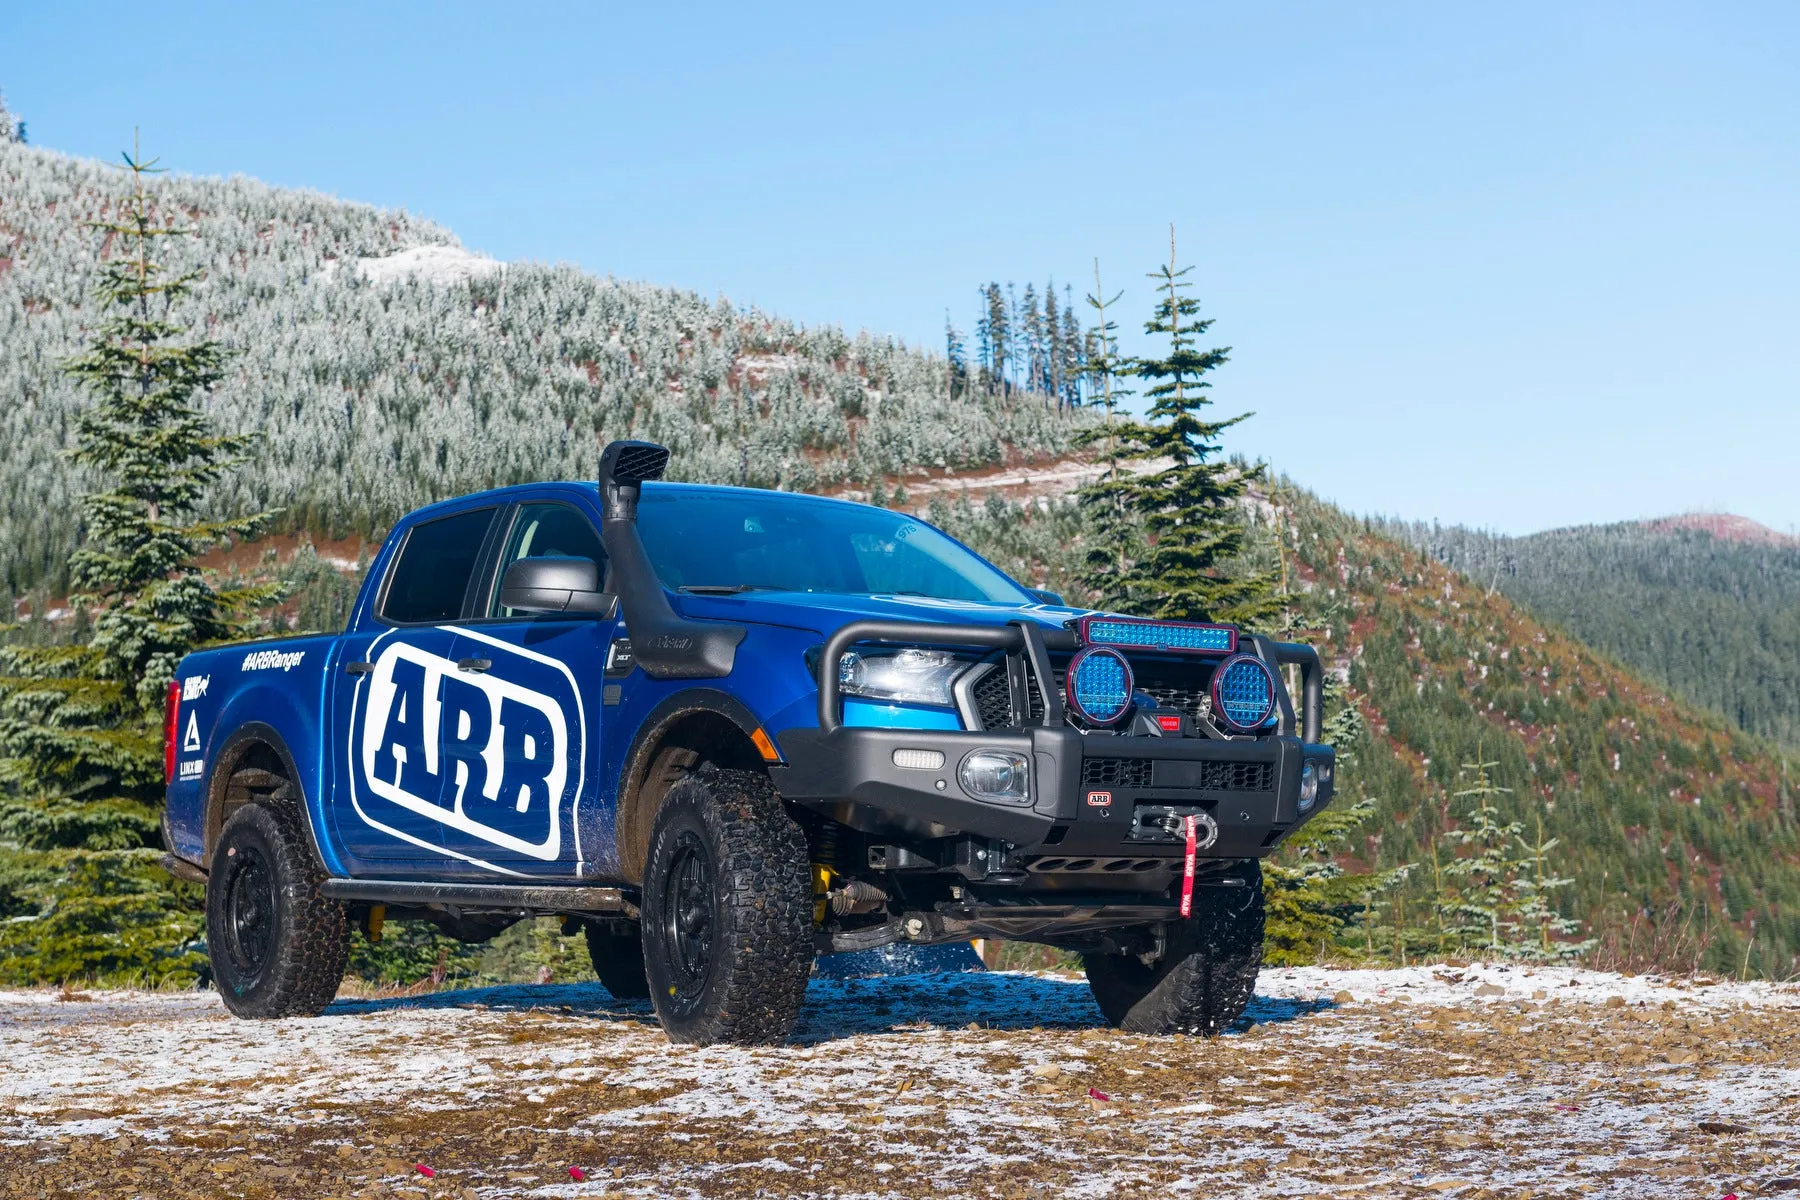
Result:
<point x="474" y="665"/>
<point x="359" y="668"/>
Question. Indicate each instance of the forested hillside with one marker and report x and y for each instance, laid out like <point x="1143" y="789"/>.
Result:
<point x="377" y="383"/>
<point x="1653" y="800"/>
<point x="1709" y="608"/>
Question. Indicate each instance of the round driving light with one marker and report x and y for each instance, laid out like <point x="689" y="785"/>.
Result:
<point x="998" y="775"/>
<point x="1309" y="785"/>
<point x="1099" y="685"/>
<point x="1243" y="693"/>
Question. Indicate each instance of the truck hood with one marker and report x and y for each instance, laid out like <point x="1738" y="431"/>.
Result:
<point x="824" y="613"/>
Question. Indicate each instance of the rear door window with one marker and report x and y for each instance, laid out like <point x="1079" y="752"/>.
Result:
<point x="430" y="579"/>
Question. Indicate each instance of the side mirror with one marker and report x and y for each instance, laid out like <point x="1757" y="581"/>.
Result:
<point x="556" y="585"/>
<point x="1047" y="597"/>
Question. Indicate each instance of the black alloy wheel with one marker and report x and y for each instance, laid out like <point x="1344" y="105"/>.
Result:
<point x="688" y="917"/>
<point x="249" y="912"/>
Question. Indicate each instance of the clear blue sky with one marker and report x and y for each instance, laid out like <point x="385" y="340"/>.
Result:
<point x="1515" y="265"/>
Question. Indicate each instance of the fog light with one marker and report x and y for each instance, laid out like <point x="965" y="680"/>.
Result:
<point x="919" y="760"/>
<point x="996" y="775"/>
<point x="1309" y="785"/>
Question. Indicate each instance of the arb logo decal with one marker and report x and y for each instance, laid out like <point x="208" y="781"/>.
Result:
<point x="1099" y="799"/>
<point x="494" y="755"/>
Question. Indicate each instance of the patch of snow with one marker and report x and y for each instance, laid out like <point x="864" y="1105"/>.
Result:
<point x="438" y="265"/>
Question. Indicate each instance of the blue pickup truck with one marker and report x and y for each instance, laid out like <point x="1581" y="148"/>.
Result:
<point x="722" y="730"/>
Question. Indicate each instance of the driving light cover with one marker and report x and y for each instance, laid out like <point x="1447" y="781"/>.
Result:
<point x="1309" y="784"/>
<point x="1099" y="685"/>
<point x="1175" y="637"/>
<point x="1243" y="693"/>
<point x="911" y="675"/>
<point x="1002" y="776"/>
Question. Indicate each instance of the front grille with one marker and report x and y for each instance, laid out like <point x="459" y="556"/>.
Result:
<point x="1181" y="687"/>
<point x="992" y="695"/>
<point x="1116" y="772"/>
<point x="1205" y="776"/>
<point x="993" y="699"/>
<point x="1191" y="700"/>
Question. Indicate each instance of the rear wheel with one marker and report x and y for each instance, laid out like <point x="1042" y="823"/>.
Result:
<point x="278" y="947"/>
<point x="1205" y="975"/>
<point x="727" y="911"/>
<point x="618" y="959"/>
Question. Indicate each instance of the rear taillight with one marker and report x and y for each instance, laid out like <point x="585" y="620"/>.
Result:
<point x="171" y="728"/>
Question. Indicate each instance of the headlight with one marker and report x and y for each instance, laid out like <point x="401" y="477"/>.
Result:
<point x="911" y="676"/>
<point x="1309" y="785"/>
<point x="996" y="775"/>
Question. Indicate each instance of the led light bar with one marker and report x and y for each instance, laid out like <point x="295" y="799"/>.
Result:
<point x="1173" y="637"/>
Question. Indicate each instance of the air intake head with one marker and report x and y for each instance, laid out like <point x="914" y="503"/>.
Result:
<point x="624" y="467"/>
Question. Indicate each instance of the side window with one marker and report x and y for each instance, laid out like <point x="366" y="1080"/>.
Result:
<point x="547" y="531"/>
<point x="430" y="578"/>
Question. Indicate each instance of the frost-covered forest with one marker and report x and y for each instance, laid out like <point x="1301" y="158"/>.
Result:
<point x="1714" y="619"/>
<point x="375" y="388"/>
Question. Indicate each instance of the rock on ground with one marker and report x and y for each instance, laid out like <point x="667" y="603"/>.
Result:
<point x="1446" y="1081"/>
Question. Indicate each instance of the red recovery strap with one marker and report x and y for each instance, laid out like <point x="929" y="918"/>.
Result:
<point x="1187" y="871"/>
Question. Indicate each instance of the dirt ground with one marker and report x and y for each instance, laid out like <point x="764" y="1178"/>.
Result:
<point x="1445" y="1081"/>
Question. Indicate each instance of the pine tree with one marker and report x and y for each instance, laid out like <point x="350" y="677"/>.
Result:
<point x="12" y="129"/>
<point x="80" y="722"/>
<point x="999" y="341"/>
<point x="956" y="360"/>
<point x="1073" y="338"/>
<point x="984" y="340"/>
<point x="1114" y="535"/>
<point x="1478" y="899"/>
<point x="1191" y="508"/>
<point x="1536" y="929"/>
<point x="1031" y="338"/>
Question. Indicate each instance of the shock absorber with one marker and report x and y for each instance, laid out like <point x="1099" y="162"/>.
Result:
<point x="824" y="863"/>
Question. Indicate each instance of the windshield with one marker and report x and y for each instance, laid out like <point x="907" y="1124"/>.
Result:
<point x="705" y="541"/>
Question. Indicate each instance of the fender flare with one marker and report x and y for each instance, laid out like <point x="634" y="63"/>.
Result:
<point x="632" y="818"/>
<point x="225" y="762"/>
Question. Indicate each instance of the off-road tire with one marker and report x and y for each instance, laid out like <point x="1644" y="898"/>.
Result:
<point x="278" y="947"/>
<point x="618" y="960"/>
<point x="1206" y="974"/>
<point x="727" y="911"/>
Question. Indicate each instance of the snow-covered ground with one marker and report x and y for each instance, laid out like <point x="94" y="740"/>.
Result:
<point x="1472" y="1081"/>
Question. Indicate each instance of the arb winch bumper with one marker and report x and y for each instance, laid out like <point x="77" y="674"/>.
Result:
<point x="1087" y="793"/>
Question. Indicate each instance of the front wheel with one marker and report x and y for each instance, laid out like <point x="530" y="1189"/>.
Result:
<point x="278" y="947"/>
<point x="727" y="912"/>
<point x="1204" y="977"/>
